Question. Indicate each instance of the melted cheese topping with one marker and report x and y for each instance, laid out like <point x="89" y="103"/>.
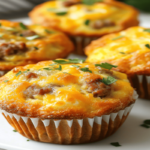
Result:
<point x="126" y="49"/>
<point x="68" y="100"/>
<point x="76" y="15"/>
<point x="49" y="45"/>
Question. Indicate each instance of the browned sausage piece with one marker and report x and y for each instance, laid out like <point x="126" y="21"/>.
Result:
<point x="27" y="33"/>
<point x="37" y="90"/>
<point x="97" y="88"/>
<point x="69" y="3"/>
<point x="31" y="75"/>
<point x="12" y="48"/>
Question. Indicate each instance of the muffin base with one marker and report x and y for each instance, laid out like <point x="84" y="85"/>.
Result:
<point x="142" y="85"/>
<point x="81" y="42"/>
<point x="75" y="131"/>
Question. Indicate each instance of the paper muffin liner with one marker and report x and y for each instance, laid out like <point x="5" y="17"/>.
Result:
<point x="142" y="85"/>
<point x="64" y="131"/>
<point x="81" y="42"/>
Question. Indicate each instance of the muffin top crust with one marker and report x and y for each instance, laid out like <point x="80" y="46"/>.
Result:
<point x="129" y="50"/>
<point x="84" y="17"/>
<point x="65" y="89"/>
<point x="22" y="44"/>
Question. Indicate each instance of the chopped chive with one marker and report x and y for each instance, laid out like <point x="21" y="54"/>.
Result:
<point x="85" y="69"/>
<point x="36" y="48"/>
<point x="106" y="66"/>
<point x="147" y="30"/>
<point x="39" y="70"/>
<point x="91" y="2"/>
<point x="33" y="37"/>
<point x="52" y="64"/>
<point x="147" y="45"/>
<point x="118" y="37"/>
<point x="61" y="13"/>
<point x="59" y="68"/>
<point x="23" y="26"/>
<point x="48" y="31"/>
<point x="87" y="22"/>
<point x="122" y="53"/>
<point x="14" y="130"/>
<point x="20" y="34"/>
<point x="116" y="144"/>
<point x="1" y="35"/>
<point x="6" y="81"/>
<point x="0" y="24"/>
<point x="47" y="69"/>
<point x="19" y="73"/>
<point x="69" y="61"/>
<point x="109" y="80"/>
<point x="28" y="140"/>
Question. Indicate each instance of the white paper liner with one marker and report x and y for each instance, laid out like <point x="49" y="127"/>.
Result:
<point x="81" y="42"/>
<point x="142" y="84"/>
<point x="22" y="124"/>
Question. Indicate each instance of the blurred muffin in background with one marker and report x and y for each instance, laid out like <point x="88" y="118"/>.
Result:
<point x="85" y="20"/>
<point x="130" y="51"/>
<point x="24" y="44"/>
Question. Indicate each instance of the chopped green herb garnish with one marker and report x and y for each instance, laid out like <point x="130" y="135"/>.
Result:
<point x="15" y="130"/>
<point x="145" y="125"/>
<point x="87" y="22"/>
<point x="23" y="26"/>
<point x="6" y="81"/>
<point x="26" y="71"/>
<point x="91" y="2"/>
<point x="0" y="24"/>
<point x="147" y="122"/>
<point x="106" y="66"/>
<point x="69" y="61"/>
<point x="109" y="80"/>
<point x="122" y="53"/>
<point x="147" y="30"/>
<point x="20" y="34"/>
<point x="61" y="13"/>
<point x="1" y="35"/>
<point x="36" y="48"/>
<point x="48" y="31"/>
<point x="147" y="45"/>
<point x="32" y="37"/>
<point x="85" y="69"/>
<point x="19" y="73"/>
<point x="75" y="66"/>
<point x="59" y="68"/>
<point x="47" y="68"/>
<point x="118" y="37"/>
<point x="116" y="144"/>
<point x="28" y="140"/>
<point x="52" y="64"/>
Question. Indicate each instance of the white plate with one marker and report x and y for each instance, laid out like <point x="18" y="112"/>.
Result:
<point x="131" y="135"/>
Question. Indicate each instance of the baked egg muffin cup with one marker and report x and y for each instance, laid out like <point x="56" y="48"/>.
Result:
<point x="83" y="21"/>
<point x="66" y="101"/>
<point x="129" y="51"/>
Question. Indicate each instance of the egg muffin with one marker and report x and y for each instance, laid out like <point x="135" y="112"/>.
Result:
<point x="85" y="20"/>
<point x="130" y="51"/>
<point x="23" y="44"/>
<point x="66" y="101"/>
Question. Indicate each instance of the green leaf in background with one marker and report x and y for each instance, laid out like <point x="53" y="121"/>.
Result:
<point x="143" y="5"/>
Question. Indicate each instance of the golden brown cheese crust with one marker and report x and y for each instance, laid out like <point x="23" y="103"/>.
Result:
<point x="129" y="50"/>
<point x="50" y="90"/>
<point x="84" y="20"/>
<point x="21" y="45"/>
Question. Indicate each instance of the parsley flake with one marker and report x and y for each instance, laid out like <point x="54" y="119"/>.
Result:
<point x="91" y="2"/>
<point x="145" y="126"/>
<point x="14" y="130"/>
<point x="118" y="37"/>
<point x="48" y="31"/>
<point x="147" y="45"/>
<point x="36" y="48"/>
<point x="69" y="61"/>
<point x="116" y="144"/>
<point x="85" y="69"/>
<point x="6" y="81"/>
<point x="147" y="30"/>
<point x="23" y="26"/>
<point x="122" y="53"/>
<point x="19" y="73"/>
<point x="61" y="13"/>
<point x="106" y="66"/>
<point x="32" y="37"/>
<point x="109" y="80"/>
<point x="59" y="68"/>
<point x="47" y="68"/>
<point x="87" y="22"/>
<point x="28" y="140"/>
